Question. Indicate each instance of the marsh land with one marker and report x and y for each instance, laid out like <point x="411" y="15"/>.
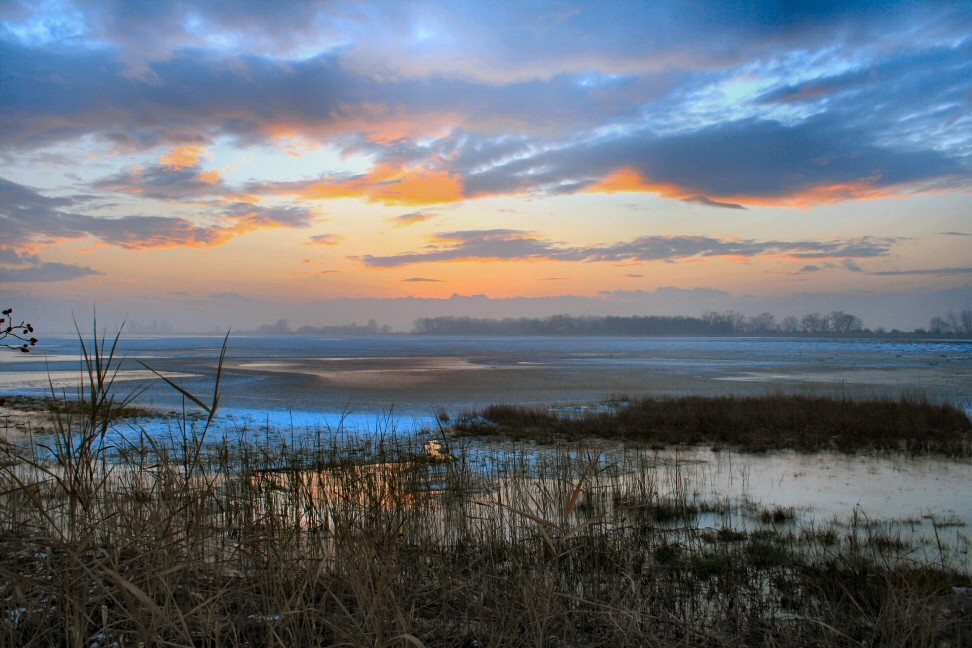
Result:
<point x="397" y="491"/>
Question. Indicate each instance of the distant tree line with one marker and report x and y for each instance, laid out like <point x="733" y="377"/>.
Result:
<point x="562" y="325"/>
<point x="733" y="323"/>
<point x="710" y="323"/>
<point x="952" y="324"/>
<point x="281" y="327"/>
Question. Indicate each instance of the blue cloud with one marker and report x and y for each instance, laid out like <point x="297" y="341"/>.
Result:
<point x="29" y="268"/>
<point x="505" y="244"/>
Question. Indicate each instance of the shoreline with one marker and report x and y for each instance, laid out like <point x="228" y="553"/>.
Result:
<point x="746" y="424"/>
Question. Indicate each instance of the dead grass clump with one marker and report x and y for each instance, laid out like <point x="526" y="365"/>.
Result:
<point x="751" y="424"/>
<point x="777" y="515"/>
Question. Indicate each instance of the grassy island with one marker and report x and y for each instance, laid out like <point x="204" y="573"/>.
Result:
<point x="749" y="424"/>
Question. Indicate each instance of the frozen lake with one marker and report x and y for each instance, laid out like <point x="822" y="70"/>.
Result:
<point x="303" y="380"/>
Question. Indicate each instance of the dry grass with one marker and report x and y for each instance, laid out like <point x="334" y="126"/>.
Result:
<point x="367" y="542"/>
<point x="751" y="424"/>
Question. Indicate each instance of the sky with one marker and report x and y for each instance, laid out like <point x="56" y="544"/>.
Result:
<point x="235" y="162"/>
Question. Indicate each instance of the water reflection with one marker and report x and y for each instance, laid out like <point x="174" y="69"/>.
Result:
<point x="917" y="506"/>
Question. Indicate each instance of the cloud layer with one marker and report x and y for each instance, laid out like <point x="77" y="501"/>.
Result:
<point x="722" y="107"/>
<point x="31" y="219"/>
<point x="505" y="245"/>
<point x="137" y="117"/>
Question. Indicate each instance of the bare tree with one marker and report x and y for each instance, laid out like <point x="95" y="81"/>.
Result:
<point x="762" y="323"/>
<point x="728" y="322"/>
<point x="954" y="323"/>
<point x="814" y="323"/>
<point x="939" y="326"/>
<point x="841" y="322"/>
<point x="791" y="324"/>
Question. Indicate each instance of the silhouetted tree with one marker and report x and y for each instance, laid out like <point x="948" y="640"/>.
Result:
<point x="841" y="322"/>
<point x="762" y="323"/>
<point x="728" y="322"/>
<point x="279" y="328"/>
<point x="21" y="333"/>
<point x="954" y="323"/>
<point x="965" y="318"/>
<point x="938" y="326"/>
<point x="814" y="323"/>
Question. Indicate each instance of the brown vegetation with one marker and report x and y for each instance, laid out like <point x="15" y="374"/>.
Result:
<point x="752" y="424"/>
<point x="371" y="544"/>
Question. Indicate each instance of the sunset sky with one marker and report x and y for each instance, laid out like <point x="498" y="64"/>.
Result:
<point x="193" y="161"/>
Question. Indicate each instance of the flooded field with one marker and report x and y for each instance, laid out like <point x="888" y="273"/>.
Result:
<point x="282" y="378"/>
<point x="369" y="536"/>
<point x="922" y="505"/>
<point x="286" y="392"/>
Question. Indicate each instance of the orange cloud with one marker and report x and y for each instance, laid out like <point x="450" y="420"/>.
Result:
<point x="325" y="239"/>
<point x="179" y="233"/>
<point x="251" y="199"/>
<point x="388" y="184"/>
<point x="181" y="157"/>
<point x="829" y="194"/>
<point x="620" y="180"/>
<point x="377" y="121"/>
<point x="627" y="179"/>
<point x="210" y="177"/>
